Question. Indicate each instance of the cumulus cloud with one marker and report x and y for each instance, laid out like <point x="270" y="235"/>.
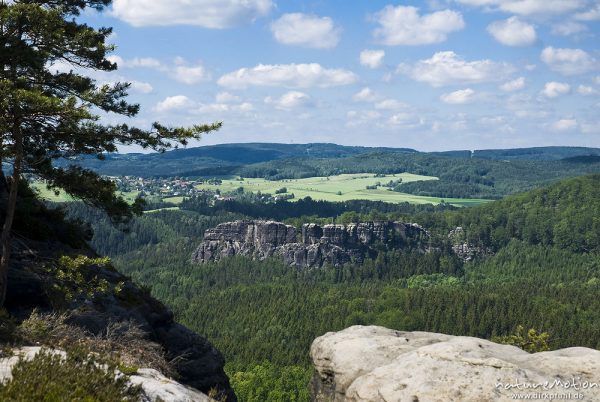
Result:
<point x="306" y="30"/>
<point x="141" y="87"/>
<point x="178" y="102"/>
<point x="402" y="25"/>
<point x="555" y="89"/>
<point x="190" y="74"/>
<point x="288" y="76"/>
<point x="290" y="100"/>
<point x="513" y="32"/>
<point x="569" y="28"/>
<point x="568" y="61"/>
<point x="564" y="125"/>
<point x="180" y="70"/>
<point x="224" y="107"/>
<point x="527" y="7"/>
<point x="447" y="68"/>
<point x="406" y="120"/>
<point x="226" y="97"/>
<point x="390" y="104"/>
<point x="372" y="58"/>
<point x="459" y="97"/>
<point x="365" y="95"/>
<point x="357" y="118"/>
<point x="513" y="85"/>
<point x="586" y="90"/>
<point x="592" y="14"/>
<point x="216" y="14"/>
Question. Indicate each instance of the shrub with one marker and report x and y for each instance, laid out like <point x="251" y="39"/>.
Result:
<point x="531" y="342"/>
<point x="51" y="377"/>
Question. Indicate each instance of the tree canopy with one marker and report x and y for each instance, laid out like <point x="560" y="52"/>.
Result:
<point x="48" y="113"/>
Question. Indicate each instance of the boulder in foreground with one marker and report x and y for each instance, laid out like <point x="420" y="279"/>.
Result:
<point x="376" y="364"/>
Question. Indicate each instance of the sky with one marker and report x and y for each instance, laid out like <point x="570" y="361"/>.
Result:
<point x="430" y="75"/>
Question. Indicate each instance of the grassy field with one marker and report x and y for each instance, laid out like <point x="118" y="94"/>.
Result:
<point x="339" y="188"/>
<point x="333" y="188"/>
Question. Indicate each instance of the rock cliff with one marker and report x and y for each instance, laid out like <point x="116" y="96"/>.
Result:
<point x="376" y="364"/>
<point x="195" y="362"/>
<point x="313" y="247"/>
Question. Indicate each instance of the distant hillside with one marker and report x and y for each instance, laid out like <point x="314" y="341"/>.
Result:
<point x="192" y="161"/>
<point x="227" y="158"/>
<point x="535" y="154"/>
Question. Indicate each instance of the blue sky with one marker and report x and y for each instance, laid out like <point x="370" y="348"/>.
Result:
<point x="431" y="75"/>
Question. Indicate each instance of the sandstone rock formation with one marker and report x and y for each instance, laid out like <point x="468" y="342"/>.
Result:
<point x="463" y="249"/>
<point x="313" y="247"/>
<point x="155" y="386"/>
<point x="376" y="364"/>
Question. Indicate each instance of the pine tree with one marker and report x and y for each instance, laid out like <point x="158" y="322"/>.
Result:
<point x="47" y="115"/>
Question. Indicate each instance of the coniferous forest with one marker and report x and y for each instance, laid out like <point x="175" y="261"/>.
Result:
<point x="540" y="270"/>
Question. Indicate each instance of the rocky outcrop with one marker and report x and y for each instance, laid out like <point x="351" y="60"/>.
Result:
<point x="194" y="360"/>
<point x="376" y="364"/>
<point x="155" y="386"/>
<point x="463" y="249"/>
<point x="314" y="246"/>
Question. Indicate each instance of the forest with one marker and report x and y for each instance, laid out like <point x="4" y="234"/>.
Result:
<point x="540" y="270"/>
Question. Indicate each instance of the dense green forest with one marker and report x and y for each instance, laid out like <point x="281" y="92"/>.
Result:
<point x="544" y="273"/>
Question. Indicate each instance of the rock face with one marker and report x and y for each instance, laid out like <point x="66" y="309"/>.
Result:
<point x="376" y="364"/>
<point x="313" y="247"/>
<point x="155" y="386"/>
<point x="463" y="249"/>
<point x="197" y="363"/>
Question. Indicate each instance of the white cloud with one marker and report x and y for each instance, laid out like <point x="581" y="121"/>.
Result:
<point x="568" y="28"/>
<point x="597" y="79"/>
<point x="459" y="97"/>
<point x="357" y="118"/>
<point x="372" y="58"/>
<point x="177" y="102"/>
<point x="402" y="25"/>
<point x="406" y="120"/>
<point x="390" y="104"/>
<point x="527" y="7"/>
<point x="568" y="61"/>
<point x="513" y="85"/>
<point x="513" y="32"/>
<point x="216" y="14"/>
<point x="141" y="87"/>
<point x="226" y="97"/>
<point x="564" y="125"/>
<point x="447" y="68"/>
<point x="290" y="100"/>
<point x="288" y="76"/>
<point x="586" y="90"/>
<point x="224" y="107"/>
<point x="555" y="89"/>
<point x="306" y="30"/>
<point x="365" y="95"/>
<point x="592" y="14"/>
<point x="179" y="70"/>
<point x="190" y="74"/>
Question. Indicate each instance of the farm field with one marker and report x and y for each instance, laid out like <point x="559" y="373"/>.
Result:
<point x="351" y="187"/>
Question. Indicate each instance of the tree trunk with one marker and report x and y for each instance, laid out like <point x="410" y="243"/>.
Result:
<point x="11" y="206"/>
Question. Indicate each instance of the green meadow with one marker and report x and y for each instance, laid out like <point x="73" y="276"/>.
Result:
<point x="342" y="187"/>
